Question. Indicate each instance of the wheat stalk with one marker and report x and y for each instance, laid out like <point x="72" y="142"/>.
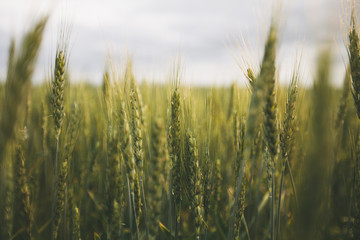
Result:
<point x="287" y="136"/>
<point x="62" y="181"/>
<point x="354" y="59"/>
<point x="22" y="210"/>
<point x="175" y="143"/>
<point x="21" y="68"/>
<point x="157" y="177"/>
<point x="257" y="103"/>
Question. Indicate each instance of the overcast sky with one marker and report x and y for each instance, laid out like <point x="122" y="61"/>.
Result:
<point x="154" y="32"/>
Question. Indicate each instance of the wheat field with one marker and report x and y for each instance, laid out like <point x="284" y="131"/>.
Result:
<point x="131" y="160"/>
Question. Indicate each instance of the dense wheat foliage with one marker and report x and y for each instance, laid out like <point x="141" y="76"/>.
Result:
<point x="133" y="160"/>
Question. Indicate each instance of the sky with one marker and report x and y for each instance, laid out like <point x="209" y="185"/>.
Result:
<point x="204" y="32"/>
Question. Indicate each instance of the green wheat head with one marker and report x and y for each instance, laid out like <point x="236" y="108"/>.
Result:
<point x="57" y="91"/>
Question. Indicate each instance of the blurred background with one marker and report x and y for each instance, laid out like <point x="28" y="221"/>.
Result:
<point x="204" y="32"/>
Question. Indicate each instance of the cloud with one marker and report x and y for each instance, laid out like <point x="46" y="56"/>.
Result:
<point x="155" y="31"/>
